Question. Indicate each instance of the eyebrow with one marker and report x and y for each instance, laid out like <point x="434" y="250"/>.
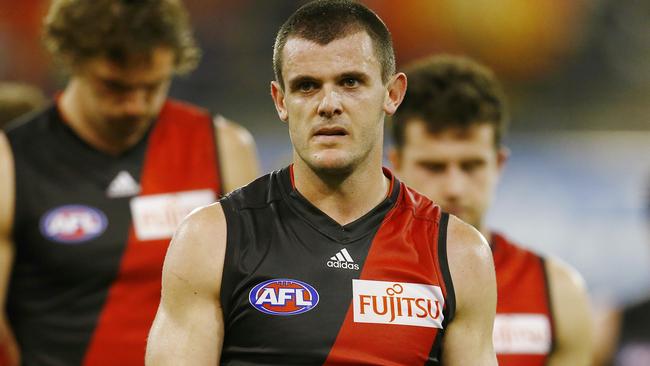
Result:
<point x="430" y="162"/>
<point x="295" y="82"/>
<point x="354" y="75"/>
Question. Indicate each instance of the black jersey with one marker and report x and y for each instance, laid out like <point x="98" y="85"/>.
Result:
<point x="91" y="231"/>
<point x="634" y="338"/>
<point x="300" y="289"/>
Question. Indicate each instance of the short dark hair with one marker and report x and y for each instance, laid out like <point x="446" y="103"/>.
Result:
<point x="323" y="21"/>
<point x="78" y="30"/>
<point x="451" y="92"/>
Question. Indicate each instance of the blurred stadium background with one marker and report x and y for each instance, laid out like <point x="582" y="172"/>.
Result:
<point x="577" y="73"/>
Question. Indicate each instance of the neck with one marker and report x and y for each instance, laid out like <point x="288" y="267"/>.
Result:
<point x="346" y="197"/>
<point x="98" y="134"/>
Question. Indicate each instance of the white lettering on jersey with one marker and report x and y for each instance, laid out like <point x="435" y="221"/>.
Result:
<point x="158" y="216"/>
<point x="402" y="303"/>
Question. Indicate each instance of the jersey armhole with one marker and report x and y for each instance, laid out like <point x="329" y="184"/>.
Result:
<point x="549" y="303"/>
<point x="435" y="355"/>
<point x="231" y="259"/>
<point x="450" y="302"/>
<point x="217" y="153"/>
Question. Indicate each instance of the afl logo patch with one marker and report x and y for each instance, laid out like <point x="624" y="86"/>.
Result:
<point x="283" y="297"/>
<point x="73" y="224"/>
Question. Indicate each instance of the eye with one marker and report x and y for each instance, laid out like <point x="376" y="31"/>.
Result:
<point x="433" y="167"/>
<point x="306" y="86"/>
<point x="116" y="87"/>
<point x="152" y="88"/>
<point x="472" y="166"/>
<point x="350" y="82"/>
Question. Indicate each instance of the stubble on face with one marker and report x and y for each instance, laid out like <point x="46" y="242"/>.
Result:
<point x="455" y="168"/>
<point x="334" y="97"/>
<point x="122" y="100"/>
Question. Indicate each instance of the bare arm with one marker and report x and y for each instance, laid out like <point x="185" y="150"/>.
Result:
<point x="8" y="346"/>
<point x="238" y="154"/>
<point x="468" y="339"/>
<point x="188" y="329"/>
<point x="606" y="343"/>
<point x="572" y="316"/>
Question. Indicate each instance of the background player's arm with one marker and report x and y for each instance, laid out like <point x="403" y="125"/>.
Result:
<point x="237" y="154"/>
<point x="606" y="342"/>
<point x="9" y="354"/>
<point x="468" y="338"/>
<point x="188" y="329"/>
<point x="572" y="316"/>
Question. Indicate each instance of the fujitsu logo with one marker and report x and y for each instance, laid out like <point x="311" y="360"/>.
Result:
<point x="522" y="334"/>
<point x="402" y="303"/>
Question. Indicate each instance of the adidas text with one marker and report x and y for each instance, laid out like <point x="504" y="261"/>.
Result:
<point x="343" y="265"/>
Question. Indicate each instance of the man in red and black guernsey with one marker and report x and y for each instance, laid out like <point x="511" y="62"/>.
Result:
<point x="447" y="137"/>
<point x="92" y="187"/>
<point x="331" y="260"/>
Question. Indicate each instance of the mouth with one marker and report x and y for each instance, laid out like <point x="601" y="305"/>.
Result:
<point x="330" y="131"/>
<point x="455" y="210"/>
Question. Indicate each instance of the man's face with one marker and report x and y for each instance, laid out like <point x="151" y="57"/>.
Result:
<point x="334" y="101"/>
<point x="118" y="99"/>
<point x="457" y="169"/>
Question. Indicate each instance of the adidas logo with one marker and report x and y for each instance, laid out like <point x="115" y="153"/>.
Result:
<point x="123" y="185"/>
<point x="343" y="260"/>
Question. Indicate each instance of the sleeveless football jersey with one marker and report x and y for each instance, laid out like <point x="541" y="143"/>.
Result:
<point x="523" y="327"/>
<point x="300" y="289"/>
<point x="91" y="231"/>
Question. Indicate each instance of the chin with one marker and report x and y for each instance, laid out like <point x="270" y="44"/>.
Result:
<point x="332" y="165"/>
<point x="333" y="169"/>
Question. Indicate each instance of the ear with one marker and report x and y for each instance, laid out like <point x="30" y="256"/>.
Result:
<point x="503" y="154"/>
<point x="396" y="92"/>
<point x="395" y="159"/>
<point x="278" y="99"/>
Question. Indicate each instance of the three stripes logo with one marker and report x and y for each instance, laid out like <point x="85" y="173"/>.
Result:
<point x="342" y="260"/>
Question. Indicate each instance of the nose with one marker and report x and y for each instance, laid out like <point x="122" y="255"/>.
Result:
<point x="454" y="184"/>
<point x="330" y="104"/>
<point x="135" y="102"/>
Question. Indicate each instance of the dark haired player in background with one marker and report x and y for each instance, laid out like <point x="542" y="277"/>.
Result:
<point x="447" y="136"/>
<point x="92" y="188"/>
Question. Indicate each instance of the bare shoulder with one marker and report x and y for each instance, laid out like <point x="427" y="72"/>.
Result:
<point x="188" y="328"/>
<point x="203" y="221"/>
<point x="468" y="340"/>
<point x="232" y="132"/>
<point x="468" y="251"/>
<point x="471" y="266"/>
<point x="563" y="277"/>
<point x="571" y="310"/>
<point x="197" y="251"/>
<point x="239" y="163"/>
<point x="7" y="191"/>
<point x="567" y="289"/>
<point x="605" y="343"/>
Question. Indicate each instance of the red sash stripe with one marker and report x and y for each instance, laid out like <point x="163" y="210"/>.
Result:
<point x="181" y="156"/>
<point x="405" y="249"/>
